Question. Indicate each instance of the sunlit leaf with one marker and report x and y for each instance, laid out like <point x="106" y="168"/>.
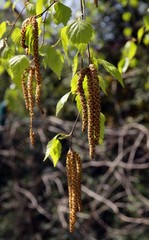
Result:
<point x="80" y="31"/>
<point x="2" y="43"/>
<point x="123" y="65"/>
<point x="62" y="14"/>
<point x="52" y="58"/>
<point x="74" y="83"/>
<point x="112" y="70"/>
<point x="2" y="29"/>
<point x="78" y="102"/>
<point x="62" y="102"/>
<point x="31" y="8"/>
<point x="39" y="9"/>
<point x="140" y="34"/>
<point x="17" y="64"/>
<point x="65" y="41"/>
<point x="16" y="35"/>
<point x="129" y="50"/>
<point x="54" y="148"/>
<point x="146" y="22"/>
<point x="75" y="64"/>
<point x="103" y="84"/>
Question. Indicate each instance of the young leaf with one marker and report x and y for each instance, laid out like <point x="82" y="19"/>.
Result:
<point x="146" y="22"/>
<point x="103" y="84"/>
<point x="54" y="148"/>
<point x="110" y="68"/>
<point x="140" y="34"/>
<point x="102" y="128"/>
<point x="62" y="102"/>
<point x="80" y="31"/>
<point x="17" y="64"/>
<point x="16" y="35"/>
<point x="39" y="9"/>
<point x="62" y="14"/>
<point x="53" y="59"/>
<point x="2" y="29"/>
<point x="75" y="64"/>
<point x="65" y="41"/>
<point x="74" y="83"/>
<point x="78" y="102"/>
<point x="129" y="50"/>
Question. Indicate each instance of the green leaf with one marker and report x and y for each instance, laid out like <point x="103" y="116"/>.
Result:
<point x="39" y="9"/>
<point x="74" y="83"/>
<point x="129" y="50"/>
<point x="75" y="64"/>
<point x="17" y="64"/>
<point x="7" y="53"/>
<point x="81" y="47"/>
<point x="30" y="7"/>
<point x="78" y="102"/>
<point x="123" y="65"/>
<point x="140" y="34"/>
<point x="52" y="58"/>
<point x="103" y="84"/>
<point x="54" y="148"/>
<point x="2" y="43"/>
<point x="2" y="29"/>
<point x="65" y="41"/>
<point x="146" y="22"/>
<point x="102" y="128"/>
<point x="112" y="70"/>
<point x="62" y="102"/>
<point x="80" y="31"/>
<point x="16" y="35"/>
<point x="29" y="38"/>
<point x="62" y="14"/>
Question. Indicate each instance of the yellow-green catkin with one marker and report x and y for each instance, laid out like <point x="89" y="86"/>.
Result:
<point x="73" y="166"/>
<point x="23" y="34"/>
<point x="82" y="98"/>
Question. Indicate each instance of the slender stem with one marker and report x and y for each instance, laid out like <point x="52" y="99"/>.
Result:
<point x="40" y="15"/>
<point x="13" y="26"/>
<point x="73" y="128"/>
<point x="89" y="54"/>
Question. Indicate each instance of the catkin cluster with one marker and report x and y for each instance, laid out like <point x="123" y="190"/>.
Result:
<point x="90" y="105"/>
<point x="33" y="72"/>
<point x="74" y="169"/>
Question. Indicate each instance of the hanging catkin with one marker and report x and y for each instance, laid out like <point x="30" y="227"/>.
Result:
<point x="37" y="66"/>
<point x="96" y="3"/>
<point x="31" y="102"/>
<point x="73" y="166"/>
<point x="23" y="33"/>
<point x="80" y="89"/>
<point x="97" y="102"/>
<point x="24" y="88"/>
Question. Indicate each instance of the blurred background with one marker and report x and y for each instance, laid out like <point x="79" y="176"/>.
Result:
<point x="115" y="185"/>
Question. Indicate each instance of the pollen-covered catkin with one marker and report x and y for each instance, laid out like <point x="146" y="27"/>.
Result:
<point x="82" y="98"/>
<point x="97" y="102"/>
<point x="73" y="166"/>
<point x="90" y="105"/>
<point x="24" y="88"/>
<point x="37" y="66"/>
<point x="23" y="33"/>
<point x="31" y="102"/>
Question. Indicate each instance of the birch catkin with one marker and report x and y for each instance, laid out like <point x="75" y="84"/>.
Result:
<point x="73" y="166"/>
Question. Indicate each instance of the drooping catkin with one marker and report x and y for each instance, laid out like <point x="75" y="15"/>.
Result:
<point x="73" y="166"/>
<point x="23" y="33"/>
<point x="90" y="105"/>
<point x="31" y="102"/>
<point x="37" y="65"/>
<point x="24" y="88"/>
<point x="97" y="101"/>
<point x="80" y="89"/>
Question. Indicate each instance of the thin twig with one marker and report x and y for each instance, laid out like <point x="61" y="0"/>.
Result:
<point x="40" y="15"/>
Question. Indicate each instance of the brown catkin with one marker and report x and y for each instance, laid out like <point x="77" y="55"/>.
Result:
<point x="97" y="102"/>
<point x="31" y="102"/>
<point x="24" y="88"/>
<point x="37" y="66"/>
<point x="82" y="98"/>
<point x="90" y="105"/>
<point x="73" y="166"/>
<point x="23" y="33"/>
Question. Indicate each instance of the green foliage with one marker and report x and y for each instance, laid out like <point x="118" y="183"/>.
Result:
<point x="2" y="28"/>
<point x="52" y="58"/>
<point x="17" y="65"/>
<point x="62" y="102"/>
<point x="62" y="13"/>
<point x="80" y="31"/>
<point x="112" y="70"/>
<point x="54" y="148"/>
